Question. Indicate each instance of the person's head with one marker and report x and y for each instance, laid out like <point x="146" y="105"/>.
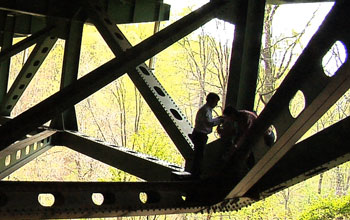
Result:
<point x="212" y="99"/>
<point x="230" y="111"/>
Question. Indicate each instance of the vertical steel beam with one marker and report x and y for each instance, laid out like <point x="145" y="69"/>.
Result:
<point x="7" y="37"/>
<point x="236" y="55"/>
<point x="90" y="83"/>
<point x="251" y="54"/>
<point x="244" y="64"/>
<point x="164" y="108"/>
<point x="26" y="74"/>
<point x="320" y="93"/>
<point x="68" y="119"/>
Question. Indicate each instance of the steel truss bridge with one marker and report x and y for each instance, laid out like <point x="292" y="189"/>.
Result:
<point x="23" y="138"/>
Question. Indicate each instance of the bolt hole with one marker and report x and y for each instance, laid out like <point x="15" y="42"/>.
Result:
<point x="15" y="97"/>
<point x="144" y="70"/>
<point x="334" y="58"/>
<point x="297" y="104"/>
<point x="176" y="114"/>
<point x="46" y="199"/>
<point x="29" y="75"/>
<point x="44" y="50"/>
<point x="8" y="160"/>
<point x="159" y="91"/>
<point x="21" y="86"/>
<point x="18" y="155"/>
<point x="119" y="36"/>
<point x="36" y="63"/>
<point x="27" y="150"/>
<point x="143" y="197"/>
<point x="97" y="198"/>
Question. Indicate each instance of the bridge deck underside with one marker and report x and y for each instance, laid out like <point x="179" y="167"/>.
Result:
<point x="166" y="186"/>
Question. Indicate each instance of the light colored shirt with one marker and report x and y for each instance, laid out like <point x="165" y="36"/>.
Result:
<point x="204" y="120"/>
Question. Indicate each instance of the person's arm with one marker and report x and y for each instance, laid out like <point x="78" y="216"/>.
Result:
<point x="212" y="121"/>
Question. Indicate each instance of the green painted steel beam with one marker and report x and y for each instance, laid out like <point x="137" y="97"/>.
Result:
<point x="72" y="200"/>
<point x="244" y="64"/>
<point x="8" y="52"/>
<point x="71" y="58"/>
<point x="138" y="164"/>
<point x="6" y="42"/>
<point x="26" y="74"/>
<point x="32" y="17"/>
<point x="23" y="151"/>
<point x="319" y="90"/>
<point x="233" y="81"/>
<point x="323" y="151"/>
<point x="100" y="77"/>
<point x="168" y="113"/>
<point x="251" y="54"/>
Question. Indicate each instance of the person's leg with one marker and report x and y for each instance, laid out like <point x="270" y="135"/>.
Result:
<point x="199" y="141"/>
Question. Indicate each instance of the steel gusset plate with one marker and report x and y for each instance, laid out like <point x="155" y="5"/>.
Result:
<point x="319" y="90"/>
<point x="165" y="109"/>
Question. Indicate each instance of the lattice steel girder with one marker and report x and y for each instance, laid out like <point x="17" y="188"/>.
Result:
<point x="23" y="151"/>
<point x="19" y="200"/>
<point x="323" y="151"/>
<point x="90" y="83"/>
<point x="6" y="42"/>
<point x="27" y="73"/>
<point x="320" y="93"/>
<point x="119" y="11"/>
<point x="143" y="166"/>
<point x="165" y="109"/>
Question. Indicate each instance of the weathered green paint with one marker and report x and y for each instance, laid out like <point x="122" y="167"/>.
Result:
<point x="251" y="54"/>
<point x="5" y="64"/>
<point x="26" y="74"/>
<point x="31" y="19"/>
<point x="68" y="120"/>
<point x="164" y="108"/>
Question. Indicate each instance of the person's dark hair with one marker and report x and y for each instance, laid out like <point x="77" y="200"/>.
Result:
<point x="212" y="96"/>
<point x="230" y="110"/>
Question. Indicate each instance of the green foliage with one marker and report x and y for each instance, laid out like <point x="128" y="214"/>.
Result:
<point x="327" y="208"/>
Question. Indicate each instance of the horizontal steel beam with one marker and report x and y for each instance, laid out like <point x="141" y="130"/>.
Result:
<point x="120" y="11"/>
<point x="138" y="164"/>
<point x="104" y="199"/>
